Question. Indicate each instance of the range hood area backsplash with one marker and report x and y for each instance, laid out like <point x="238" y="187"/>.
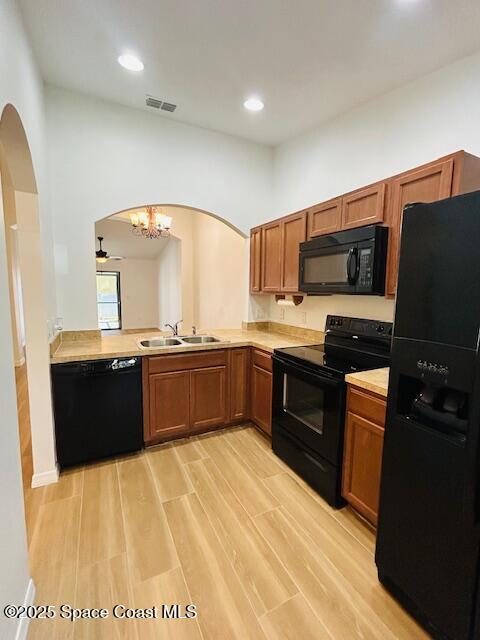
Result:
<point x="312" y="312"/>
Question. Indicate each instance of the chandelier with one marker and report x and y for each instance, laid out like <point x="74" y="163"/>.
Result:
<point x="151" y="223"/>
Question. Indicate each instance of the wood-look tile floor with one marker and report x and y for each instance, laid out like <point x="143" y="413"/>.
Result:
<point x="217" y="521"/>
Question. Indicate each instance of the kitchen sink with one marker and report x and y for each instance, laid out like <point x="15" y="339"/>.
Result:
<point x="154" y="343"/>
<point x="200" y="339"/>
<point x="177" y="341"/>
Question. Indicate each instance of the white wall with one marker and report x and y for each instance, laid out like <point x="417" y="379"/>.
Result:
<point x="21" y="86"/>
<point x="14" y="276"/>
<point x="138" y="291"/>
<point x="419" y="122"/>
<point x="313" y="311"/>
<point x="105" y="158"/>
<point x="219" y="274"/>
<point x="169" y="283"/>
<point x="208" y="292"/>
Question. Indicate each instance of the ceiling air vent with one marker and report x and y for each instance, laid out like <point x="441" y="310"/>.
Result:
<point x="155" y="103"/>
<point x="150" y="101"/>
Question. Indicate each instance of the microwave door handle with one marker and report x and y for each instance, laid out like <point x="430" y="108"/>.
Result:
<point x="349" y="261"/>
<point x="352" y="258"/>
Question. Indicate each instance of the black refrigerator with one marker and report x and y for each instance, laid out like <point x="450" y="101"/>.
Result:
<point x="428" y="539"/>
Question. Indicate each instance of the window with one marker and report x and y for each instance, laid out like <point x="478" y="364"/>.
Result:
<point x="108" y="300"/>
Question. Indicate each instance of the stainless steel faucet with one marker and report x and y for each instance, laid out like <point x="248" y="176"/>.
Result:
<point x="173" y="327"/>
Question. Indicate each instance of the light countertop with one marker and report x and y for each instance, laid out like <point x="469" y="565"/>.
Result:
<point x="375" y="380"/>
<point x="117" y="346"/>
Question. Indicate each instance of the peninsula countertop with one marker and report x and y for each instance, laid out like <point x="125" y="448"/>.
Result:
<point x="118" y="346"/>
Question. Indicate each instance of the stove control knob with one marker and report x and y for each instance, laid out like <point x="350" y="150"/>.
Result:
<point x="380" y="328"/>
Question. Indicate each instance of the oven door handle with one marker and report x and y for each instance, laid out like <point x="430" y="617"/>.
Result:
<point x="289" y="367"/>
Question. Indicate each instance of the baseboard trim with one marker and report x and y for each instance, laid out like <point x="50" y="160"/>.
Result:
<point x="46" y="477"/>
<point x="24" y="623"/>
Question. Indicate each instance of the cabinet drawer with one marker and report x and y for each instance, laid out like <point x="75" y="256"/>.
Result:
<point x="367" y="406"/>
<point x="184" y="361"/>
<point x="262" y="360"/>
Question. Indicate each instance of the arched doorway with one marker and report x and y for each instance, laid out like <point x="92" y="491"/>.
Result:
<point x="23" y="248"/>
<point x="195" y="275"/>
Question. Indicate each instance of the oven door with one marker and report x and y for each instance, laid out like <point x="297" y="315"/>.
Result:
<point x="333" y="269"/>
<point x="310" y="407"/>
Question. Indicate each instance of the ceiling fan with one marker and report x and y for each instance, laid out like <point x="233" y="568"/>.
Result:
<point x="102" y="256"/>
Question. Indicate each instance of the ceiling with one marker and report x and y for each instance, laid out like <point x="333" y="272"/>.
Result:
<point x="120" y="241"/>
<point x="309" y="60"/>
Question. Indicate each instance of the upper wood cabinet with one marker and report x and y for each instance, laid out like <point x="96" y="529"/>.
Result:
<point x="294" y="231"/>
<point x="271" y="257"/>
<point x="366" y="206"/>
<point x="274" y="246"/>
<point x="325" y="218"/>
<point x="255" y="260"/>
<point x="427" y="184"/>
<point x="279" y="253"/>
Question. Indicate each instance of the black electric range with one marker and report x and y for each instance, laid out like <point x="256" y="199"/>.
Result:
<point x="309" y="393"/>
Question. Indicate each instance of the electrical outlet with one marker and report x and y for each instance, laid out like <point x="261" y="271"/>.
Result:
<point x="303" y="317"/>
<point x="282" y="314"/>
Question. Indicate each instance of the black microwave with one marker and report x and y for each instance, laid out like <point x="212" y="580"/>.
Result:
<point x="352" y="262"/>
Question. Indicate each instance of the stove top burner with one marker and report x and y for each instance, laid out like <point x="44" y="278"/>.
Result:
<point x="319" y="358"/>
<point x="351" y="344"/>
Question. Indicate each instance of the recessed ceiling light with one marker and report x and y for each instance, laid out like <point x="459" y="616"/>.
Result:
<point x="253" y="104"/>
<point x="130" y="62"/>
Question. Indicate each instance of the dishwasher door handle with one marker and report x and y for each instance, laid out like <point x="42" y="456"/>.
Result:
<point x="123" y="364"/>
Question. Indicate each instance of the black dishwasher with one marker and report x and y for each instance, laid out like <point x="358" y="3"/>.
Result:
<point x="98" y="409"/>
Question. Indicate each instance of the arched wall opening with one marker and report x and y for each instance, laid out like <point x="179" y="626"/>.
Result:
<point x="27" y="295"/>
<point x="198" y="274"/>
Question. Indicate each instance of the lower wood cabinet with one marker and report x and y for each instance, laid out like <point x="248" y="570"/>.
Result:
<point x="261" y="390"/>
<point x="363" y="448"/>
<point x="168" y="411"/>
<point x="184" y="394"/>
<point x="208" y="398"/>
<point x="192" y="392"/>
<point x="239" y="384"/>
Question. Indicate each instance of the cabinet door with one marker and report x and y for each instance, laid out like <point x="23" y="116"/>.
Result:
<point x="169" y="405"/>
<point x="208" y="398"/>
<point x="239" y="377"/>
<point x="294" y="231"/>
<point x="362" y="465"/>
<point x="428" y="184"/>
<point x="255" y="260"/>
<point x="261" y="411"/>
<point x="272" y="257"/>
<point x="325" y="218"/>
<point x="364" y="207"/>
